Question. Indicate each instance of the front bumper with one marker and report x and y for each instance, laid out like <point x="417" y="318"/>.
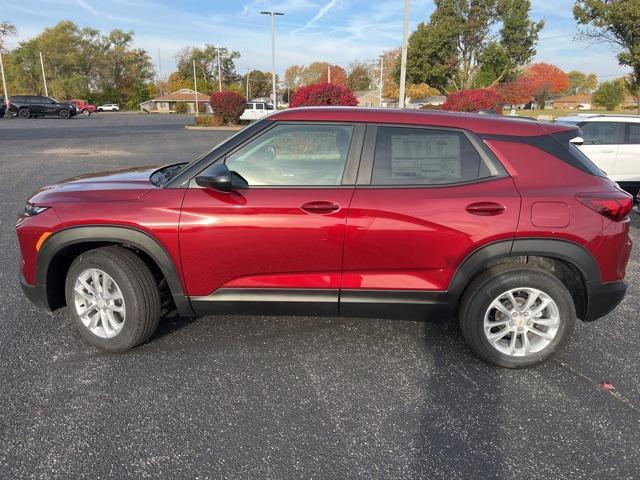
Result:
<point x="603" y="298"/>
<point x="37" y="296"/>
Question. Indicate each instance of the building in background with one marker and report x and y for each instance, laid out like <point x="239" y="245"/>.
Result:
<point x="169" y="103"/>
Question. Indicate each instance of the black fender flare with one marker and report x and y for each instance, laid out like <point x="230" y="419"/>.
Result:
<point x="123" y="235"/>
<point x="564" y="250"/>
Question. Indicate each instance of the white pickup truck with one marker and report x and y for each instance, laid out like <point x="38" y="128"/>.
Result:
<point x="256" y="110"/>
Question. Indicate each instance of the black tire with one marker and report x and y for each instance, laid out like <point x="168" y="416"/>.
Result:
<point x="138" y="287"/>
<point x="494" y="282"/>
<point x="24" y="113"/>
<point x="64" y="114"/>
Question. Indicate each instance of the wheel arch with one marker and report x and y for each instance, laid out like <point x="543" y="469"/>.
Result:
<point x="61" y="248"/>
<point x="571" y="263"/>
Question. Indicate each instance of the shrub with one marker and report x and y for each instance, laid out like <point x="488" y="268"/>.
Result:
<point x="228" y="106"/>
<point x="181" y="107"/>
<point x="209" y="121"/>
<point x="473" y="100"/>
<point x="323" y="94"/>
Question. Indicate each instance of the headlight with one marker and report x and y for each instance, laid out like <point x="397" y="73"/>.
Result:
<point x="33" y="210"/>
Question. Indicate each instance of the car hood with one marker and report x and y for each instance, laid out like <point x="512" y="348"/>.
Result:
<point x="128" y="184"/>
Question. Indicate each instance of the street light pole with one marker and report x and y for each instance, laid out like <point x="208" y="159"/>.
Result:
<point x="4" y="82"/>
<point x="46" y="92"/>
<point x="219" y="75"/>
<point x="273" y="55"/>
<point x="329" y="73"/>
<point x="195" y="88"/>
<point x="381" y="80"/>
<point x="405" y="44"/>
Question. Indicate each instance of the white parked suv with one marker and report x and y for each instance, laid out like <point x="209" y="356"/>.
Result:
<point x="256" y="111"/>
<point x="109" y="107"/>
<point x="612" y="142"/>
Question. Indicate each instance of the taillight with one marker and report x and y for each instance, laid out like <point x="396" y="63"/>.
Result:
<point x="613" y="205"/>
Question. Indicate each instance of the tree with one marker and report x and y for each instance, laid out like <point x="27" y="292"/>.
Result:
<point x="323" y="94"/>
<point x="259" y="84"/>
<point x="581" y="83"/>
<point x="616" y="22"/>
<point x="459" y="39"/>
<point x="314" y="73"/>
<point x="413" y="90"/>
<point x="517" y="92"/>
<point x="338" y="75"/>
<point x="207" y="65"/>
<point x="609" y="94"/>
<point x="6" y="30"/>
<point x="293" y="76"/>
<point x="545" y="81"/>
<point x="358" y="77"/>
<point x="228" y="106"/>
<point x="474" y="100"/>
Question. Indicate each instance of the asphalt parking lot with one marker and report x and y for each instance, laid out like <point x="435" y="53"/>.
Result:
<point x="286" y="397"/>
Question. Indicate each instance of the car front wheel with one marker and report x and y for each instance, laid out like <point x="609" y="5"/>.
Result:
<point x="24" y="113"/>
<point x="64" y="113"/>
<point x="113" y="298"/>
<point x="516" y="315"/>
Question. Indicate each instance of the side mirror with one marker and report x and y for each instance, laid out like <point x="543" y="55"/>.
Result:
<point x="218" y="177"/>
<point x="577" y="141"/>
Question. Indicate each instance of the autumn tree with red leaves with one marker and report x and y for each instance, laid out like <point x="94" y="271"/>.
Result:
<point x="545" y="81"/>
<point x="323" y="94"/>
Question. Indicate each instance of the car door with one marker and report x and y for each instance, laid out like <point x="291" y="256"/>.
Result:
<point x="601" y="142"/>
<point x="627" y="168"/>
<point x="425" y="199"/>
<point x="279" y="242"/>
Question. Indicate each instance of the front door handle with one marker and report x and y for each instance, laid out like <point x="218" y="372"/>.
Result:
<point x="486" y="208"/>
<point x="320" y="207"/>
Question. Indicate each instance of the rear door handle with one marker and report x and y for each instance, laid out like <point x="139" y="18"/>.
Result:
<point x="486" y="208"/>
<point x="320" y="207"/>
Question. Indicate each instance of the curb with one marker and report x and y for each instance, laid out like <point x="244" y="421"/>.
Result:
<point x="222" y="129"/>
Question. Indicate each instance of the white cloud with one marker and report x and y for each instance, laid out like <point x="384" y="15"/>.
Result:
<point x="321" y="13"/>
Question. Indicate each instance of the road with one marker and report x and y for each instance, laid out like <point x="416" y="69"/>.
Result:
<point x="286" y="397"/>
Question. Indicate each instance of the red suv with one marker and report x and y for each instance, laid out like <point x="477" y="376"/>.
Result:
<point x="358" y="212"/>
<point x="83" y="107"/>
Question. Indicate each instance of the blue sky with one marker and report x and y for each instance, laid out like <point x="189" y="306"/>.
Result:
<point x="337" y="31"/>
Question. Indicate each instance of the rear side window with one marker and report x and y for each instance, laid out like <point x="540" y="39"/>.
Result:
<point x="633" y="133"/>
<point x="259" y="106"/>
<point x="419" y="156"/>
<point x="602" y="133"/>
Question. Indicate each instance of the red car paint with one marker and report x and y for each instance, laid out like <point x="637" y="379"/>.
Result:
<point x="384" y="238"/>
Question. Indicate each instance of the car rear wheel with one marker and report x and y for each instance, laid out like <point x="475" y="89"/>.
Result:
<point x="86" y="112"/>
<point x="516" y="315"/>
<point x="24" y="113"/>
<point x="64" y="113"/>
<point x="113" y="298"/>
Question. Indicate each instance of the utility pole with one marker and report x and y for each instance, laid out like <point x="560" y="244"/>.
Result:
<point x="219" y="75"/>
<point x="248" y="85"/>
<point x="405" y="44"/>
<point x="273" y="55"/>
<point x="4" y="81"/>
<point x="44" y="78"/>
<point x="381" y="80"/>
<point x="195" y="87"/>
<point x="329" y="73"/>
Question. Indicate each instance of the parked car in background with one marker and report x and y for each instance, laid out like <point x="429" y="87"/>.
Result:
<point x="256" y="111"/>
<point x="83" y="107"/>
<point x="3" y="107"/>
<point x="26" y="106"/>
<point x="109" y="107"/>
<point x="612" y="142"/>
<point x="499" y="222"/>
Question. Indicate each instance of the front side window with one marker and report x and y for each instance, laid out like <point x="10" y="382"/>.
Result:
<point x="259" y="106"/>
<point x="294" y="155"/>
<point x="419" y="156"/>
<point x="600" y="133"/>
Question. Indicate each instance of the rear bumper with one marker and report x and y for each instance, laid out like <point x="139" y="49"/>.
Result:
<point x="603" y="298"/>
<point x="36" y="295"/>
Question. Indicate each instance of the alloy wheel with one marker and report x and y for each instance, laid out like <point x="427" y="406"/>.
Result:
<point x="99" y="303"/>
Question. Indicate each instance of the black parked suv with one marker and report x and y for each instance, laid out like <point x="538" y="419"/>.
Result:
<point x="25" y="106"/>
<point x="3" y="107"/>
